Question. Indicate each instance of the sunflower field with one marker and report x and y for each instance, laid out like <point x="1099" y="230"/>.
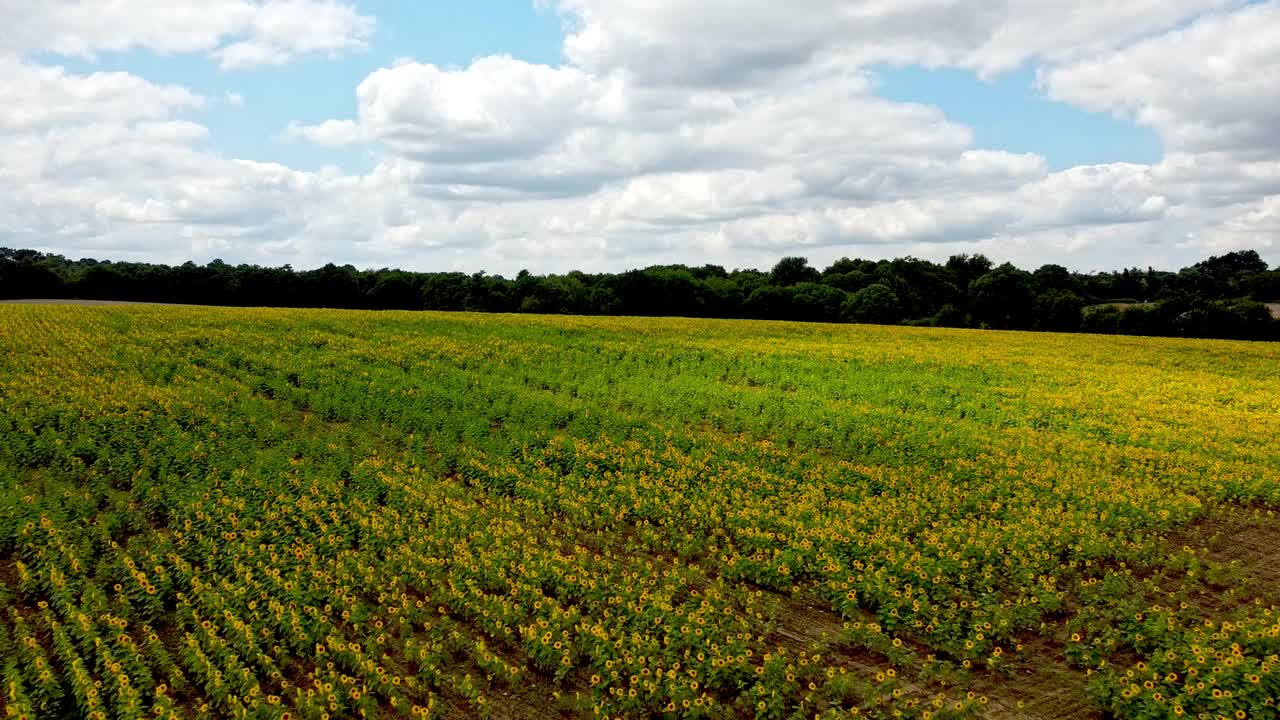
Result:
<point x="311" y="515"/>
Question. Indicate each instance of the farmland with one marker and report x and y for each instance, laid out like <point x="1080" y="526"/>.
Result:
<point x="328" y="514"/>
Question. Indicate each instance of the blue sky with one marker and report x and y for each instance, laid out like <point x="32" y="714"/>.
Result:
<point x="313" y="89"/>
<point x="1006" y="112"/>
<point x="603" y="134"/>
<point x="1009" y="112"/>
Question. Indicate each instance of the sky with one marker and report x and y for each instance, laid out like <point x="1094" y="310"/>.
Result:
<point x="601" y="135"/>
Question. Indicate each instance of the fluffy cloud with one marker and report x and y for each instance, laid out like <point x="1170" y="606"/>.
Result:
<point x="107" y="162"/>
<point x="1254" y="225"/>
<point x="497" y="107"/>
<point x="35" y="97"/>
<point x="240" y="33"/>
<point x="510" y="127"/>
<point x="330" y="133"/>
<point x="727" y="41"/>
<point x="1203" y="88"/>
<point x="673" y="132"/>
<point x="282" y="29"/>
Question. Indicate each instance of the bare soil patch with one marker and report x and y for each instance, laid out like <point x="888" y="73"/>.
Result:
<point x="805" y="623"/>
<point x="528" y="701"/>
<point x="1245" y="539"/>
<point x="1037" y="684"/>
<point x="1040" y="686"/>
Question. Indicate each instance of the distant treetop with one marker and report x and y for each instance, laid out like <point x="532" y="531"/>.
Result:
<point x="1222" y="296"/>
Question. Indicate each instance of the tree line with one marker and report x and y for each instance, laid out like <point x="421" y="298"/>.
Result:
<point x="1221" y="297"/>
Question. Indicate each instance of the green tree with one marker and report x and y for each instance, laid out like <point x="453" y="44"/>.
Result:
<point x="817" y="303"/>
<point x="1059" y="311"/>
<point x="395" y="290"/>
<point x="1003" y="299"/>
<point x="874" y="304"/>
<point x="967" y="268"/>
<point x="1055" y="277"/>
<point x="793" y="271"/>
<point x="769" y="302"/>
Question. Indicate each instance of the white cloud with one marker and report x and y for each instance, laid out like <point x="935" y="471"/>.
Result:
<point x="240" y="33"/>
<point x="1253" y="226"/>
<point x="497" y="107"/>
<point x="1205" y="88"/>
<point x="35" y="97"/>
<point x="724" y="41"/>
<point x="513" y="127"/>
<point x="281" y="29"/>
<point x="330" y="133"/>
<point x="674" y="132"/>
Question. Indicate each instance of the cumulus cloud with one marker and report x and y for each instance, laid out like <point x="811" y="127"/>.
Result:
<point x="1203" y="88"/>
<point x="330" y="133"/>
<point x="106" y="162"/>
<point x="283" y="29"/>
<point x="498" y="107"/>
<point x="1251" y="226"/>
<point x="511" y="127"/>
<point x="36" y="97"/>
<point x="672" y="132"/>
<point x="726" y="41"/>
<point x="240" y="33"/>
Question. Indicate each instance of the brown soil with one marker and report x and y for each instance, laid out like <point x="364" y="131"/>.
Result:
<point x="804" y="623"/>
<point x="1037" y="683"/>
<point x="1038" y="677"/>
<point x="1244" y="539"/>
<point x="527" y="701"/>
<point x="1042" y="682"/>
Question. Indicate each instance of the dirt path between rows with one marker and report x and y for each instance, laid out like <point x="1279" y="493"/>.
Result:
<point x="1244" y="538"/>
